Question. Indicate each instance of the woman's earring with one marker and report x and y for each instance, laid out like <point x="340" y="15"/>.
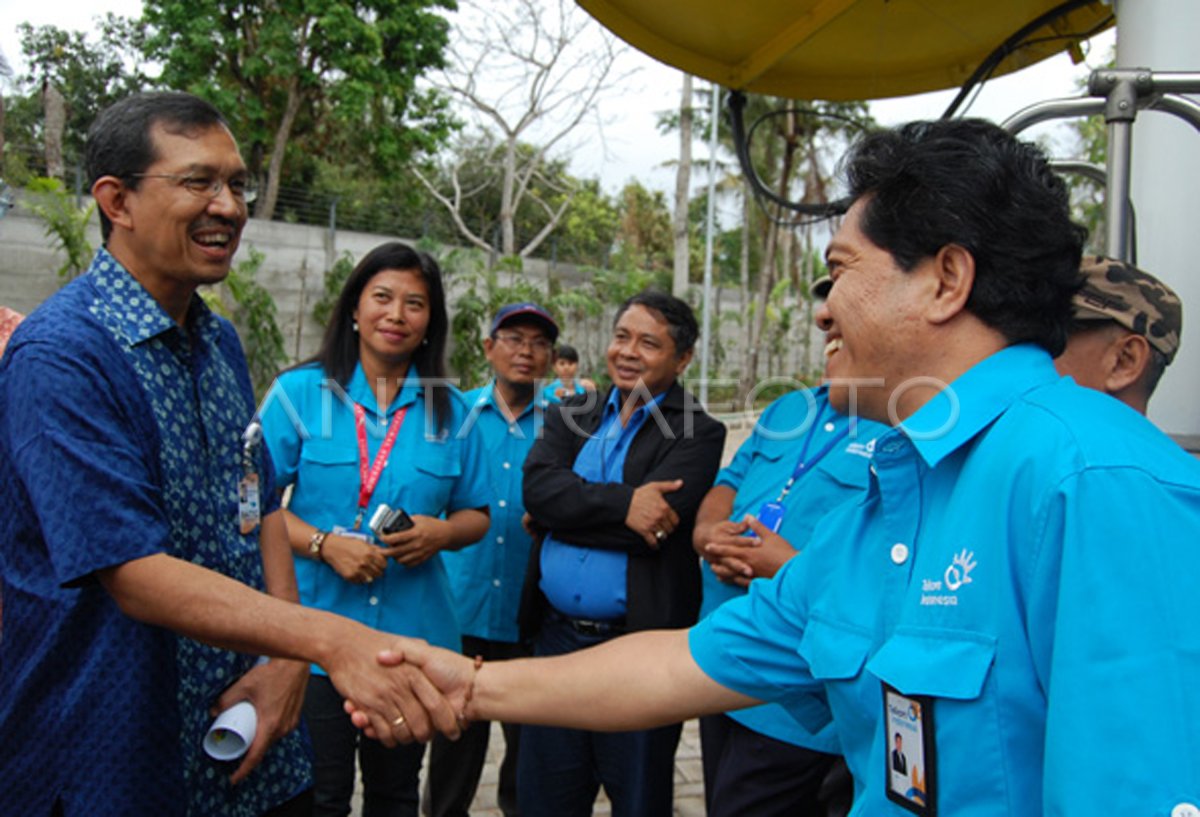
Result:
<point x="356" y="326"/>
<point x="424" y="341"/>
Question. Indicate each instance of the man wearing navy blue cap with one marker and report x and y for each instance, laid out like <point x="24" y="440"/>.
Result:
<point x="487" y="577"/>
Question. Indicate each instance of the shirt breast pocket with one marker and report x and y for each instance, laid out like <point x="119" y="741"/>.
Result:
<point x="836" y="653"/>
<point x="431" y="481"/>
<point x="322" y="460"/>
<point x="953" y="669"/>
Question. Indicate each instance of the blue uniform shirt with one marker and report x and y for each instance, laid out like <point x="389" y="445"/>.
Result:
<point x="487" y="577"/>
<point x="550" y="392"/>
<point x="120" y="437"/>
<point x="584" y="582"/>
<point x="1023" y="556"/>
<point x="796" y="427"/>
<point x="308" y="425"/>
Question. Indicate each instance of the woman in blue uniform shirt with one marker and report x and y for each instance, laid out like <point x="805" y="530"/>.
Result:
<point x="369" y="421"/>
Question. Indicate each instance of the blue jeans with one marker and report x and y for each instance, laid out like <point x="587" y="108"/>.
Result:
<point x="559" y="771"/>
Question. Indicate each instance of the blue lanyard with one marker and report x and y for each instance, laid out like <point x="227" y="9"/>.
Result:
<point x="807" y="462"/>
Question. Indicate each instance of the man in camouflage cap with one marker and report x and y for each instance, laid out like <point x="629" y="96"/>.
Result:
<point x="1126" y="331"/>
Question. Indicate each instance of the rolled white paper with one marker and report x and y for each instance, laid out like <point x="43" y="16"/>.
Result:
<point x="232" y="732"/>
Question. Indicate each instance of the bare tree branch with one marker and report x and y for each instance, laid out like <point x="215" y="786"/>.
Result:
<point x="533" y="70"/>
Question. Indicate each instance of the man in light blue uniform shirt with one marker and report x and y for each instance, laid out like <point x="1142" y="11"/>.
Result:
<point x="487" y="577"/>
<point x="802" y="459"/>
<point x="1009" y="595"/>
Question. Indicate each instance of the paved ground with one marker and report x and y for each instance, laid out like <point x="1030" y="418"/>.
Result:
<point x="689" y="778"/>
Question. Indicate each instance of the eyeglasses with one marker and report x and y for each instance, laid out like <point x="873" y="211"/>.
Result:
<point x="514" y="342"/>
<point x="208" y="187"/>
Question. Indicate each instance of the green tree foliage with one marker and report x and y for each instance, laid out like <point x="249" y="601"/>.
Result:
<point x="66" y="223"/>
<point x="644" y="237"/>
<point x="249" y="305"/>
<point x="90" y="75"/>
<point x="308" y="76"/>
<point x="335" y="279"/>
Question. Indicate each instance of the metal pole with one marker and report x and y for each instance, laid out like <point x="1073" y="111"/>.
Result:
<point x="706" y="307"/>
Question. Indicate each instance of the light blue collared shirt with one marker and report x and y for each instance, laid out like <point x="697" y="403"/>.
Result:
<point x="1023" y="557"/>
<point x="796" y="426"/>
<point x="308" y="425"/>
<point x="487" y="577"/>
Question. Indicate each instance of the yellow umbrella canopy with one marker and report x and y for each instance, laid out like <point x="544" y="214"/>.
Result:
<point x="843" y="49"/>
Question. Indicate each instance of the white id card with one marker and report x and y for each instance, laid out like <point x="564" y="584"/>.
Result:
<point x="911" y="770"/>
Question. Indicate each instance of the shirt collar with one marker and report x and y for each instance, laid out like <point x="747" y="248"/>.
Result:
<point x="137" y="316"/>
<point x="613" y="405"/>
<point x="487" y="398"/>
<point x="363" y="393"/>
<point x="984" y="392"/>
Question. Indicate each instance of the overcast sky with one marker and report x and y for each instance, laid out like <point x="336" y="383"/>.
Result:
<point x="633" y="147"/>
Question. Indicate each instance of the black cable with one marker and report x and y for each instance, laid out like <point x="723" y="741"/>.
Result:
<point x="1015" y="42"/>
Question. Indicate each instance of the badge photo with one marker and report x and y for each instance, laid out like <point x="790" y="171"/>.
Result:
<point x="909" y="758"/>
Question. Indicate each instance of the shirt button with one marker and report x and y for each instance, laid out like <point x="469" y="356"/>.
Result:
<point x="899" y="553"/>
<point x="495" y="582"/>
<point x="830" y="426"/>
<point x="1185" y="810"/>
<point x="373" y="600"/>
<point x="503" y="503"/>
<point x="506" y="466"/>
<point x="499" y="540"/>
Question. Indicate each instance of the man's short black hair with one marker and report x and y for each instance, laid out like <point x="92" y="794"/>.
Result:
<point x="119" y="142"/>
<point x="968" y="182"/>
<point x="566" y="352"/>
<point x="681" y="321"/>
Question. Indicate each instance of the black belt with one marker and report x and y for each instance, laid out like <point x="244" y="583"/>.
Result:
<point x="586" y="626"/>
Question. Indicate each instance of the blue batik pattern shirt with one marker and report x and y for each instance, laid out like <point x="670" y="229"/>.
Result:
<point x="584" y="582"/>
<point x="487" y="577"/>
<point x="123" y="434"/>
<point x="797" y="426"/>
<point x="1023" y="558"/>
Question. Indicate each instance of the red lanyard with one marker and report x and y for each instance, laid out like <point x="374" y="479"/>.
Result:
<point x="368" y="478"/>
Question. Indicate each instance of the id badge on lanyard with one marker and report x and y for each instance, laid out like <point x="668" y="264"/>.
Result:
<point x="770" y="515"/>
<point x="909" y="756"/>
<point x="249" y="487"/>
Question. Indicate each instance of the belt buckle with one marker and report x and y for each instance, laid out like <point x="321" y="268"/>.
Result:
<point x="585" y="626"/>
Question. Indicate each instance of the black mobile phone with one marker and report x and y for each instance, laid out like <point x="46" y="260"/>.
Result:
<point x="387" y="520"/>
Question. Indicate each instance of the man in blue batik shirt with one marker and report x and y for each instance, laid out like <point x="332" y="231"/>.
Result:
<point x="137" y="519"/>
<point x="487" y="577"/>
<point x="1012" y="588"/>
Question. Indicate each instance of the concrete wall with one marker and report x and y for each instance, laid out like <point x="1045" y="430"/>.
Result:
<point x="295" y="260"/>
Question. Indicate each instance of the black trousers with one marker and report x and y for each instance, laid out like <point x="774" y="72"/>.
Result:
<point x="390" y="776"/>
<point x="455" y="765"/>
<point x="748" y="773"/>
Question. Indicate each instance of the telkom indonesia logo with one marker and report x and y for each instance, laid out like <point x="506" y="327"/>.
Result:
<point x="959" y="571"/>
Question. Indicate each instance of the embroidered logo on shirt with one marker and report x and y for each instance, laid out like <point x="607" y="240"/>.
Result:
<point x="866" y="449"/>
<point x="956" y="575"/>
